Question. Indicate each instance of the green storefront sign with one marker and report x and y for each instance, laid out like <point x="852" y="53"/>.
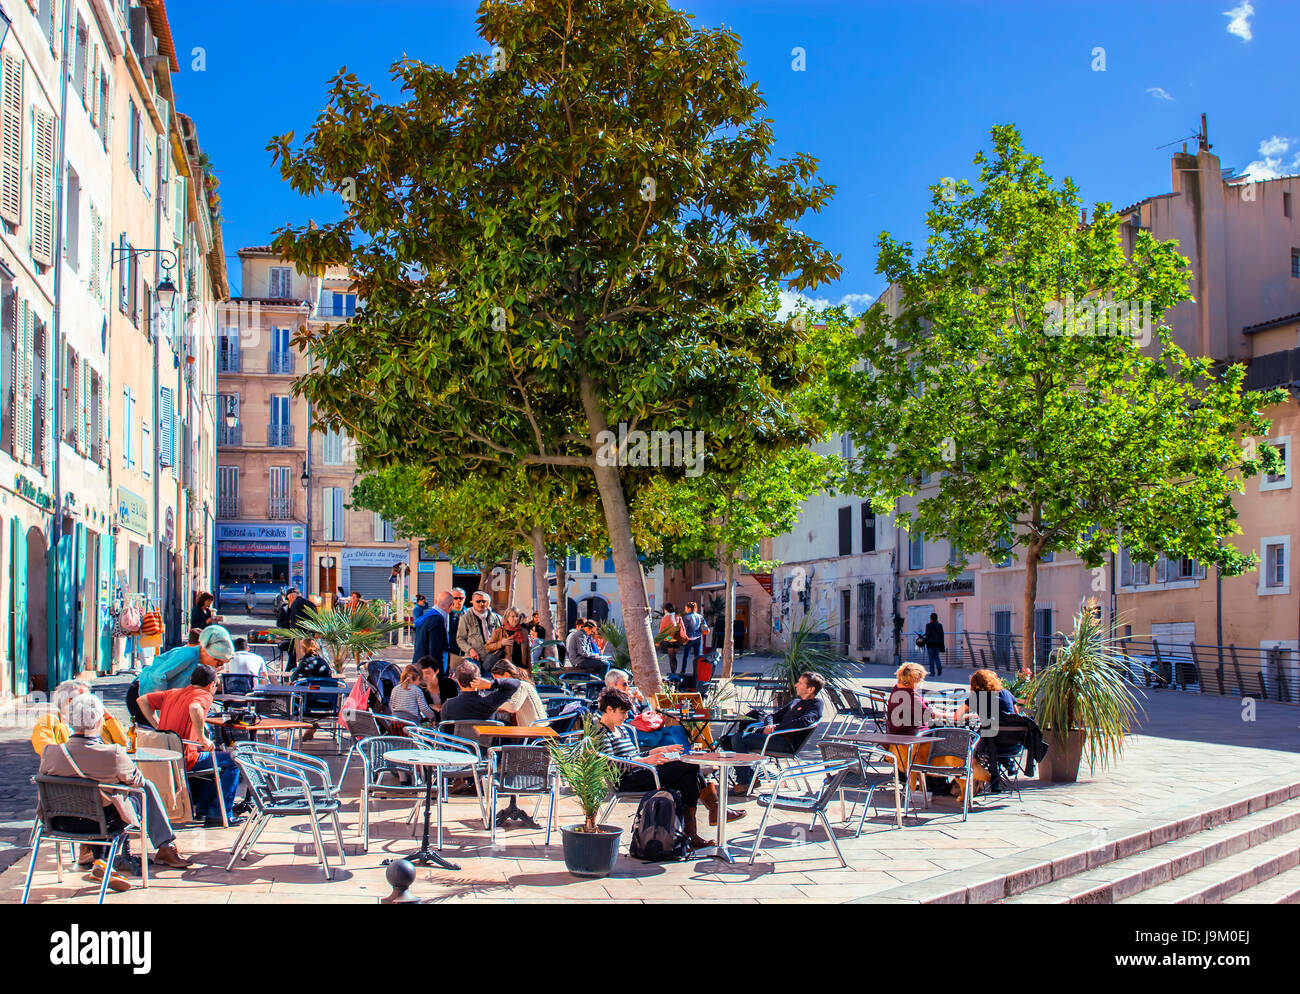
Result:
<point x="132" y="512"/>
<point x="27" y="490"/>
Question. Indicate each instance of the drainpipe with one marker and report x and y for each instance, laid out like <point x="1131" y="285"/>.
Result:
<point x="56" y="334"/>
<point x="156" y="426"/>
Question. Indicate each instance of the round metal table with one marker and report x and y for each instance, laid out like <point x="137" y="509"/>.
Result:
<point x="436" y="758"/>
<point x="143" y="755"/>
<point x="723" y="761"/>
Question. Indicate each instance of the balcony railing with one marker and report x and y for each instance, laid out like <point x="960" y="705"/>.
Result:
<point x="279" y="435"/>
<point x="279" y="508"/>
<point x="228" y="361"/>
<point x="280" y="362"/>
<point x="227" y="507"/>
<point x="230" y="436"/>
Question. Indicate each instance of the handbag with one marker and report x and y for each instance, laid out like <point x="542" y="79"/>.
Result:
<point x="920" y="641"/>
<point x="648" y="721"/>
<point x="151" y="623"/>
<point x="129" y="620"/>
<point x="682" y="637"/>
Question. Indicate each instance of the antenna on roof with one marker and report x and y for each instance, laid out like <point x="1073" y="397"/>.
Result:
<point x="1204" y="136"/>
<point x="1194" y="134"/>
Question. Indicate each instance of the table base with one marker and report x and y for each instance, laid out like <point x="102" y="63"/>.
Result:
<point x="513" y="812"/>
<point x="426" y="857"/>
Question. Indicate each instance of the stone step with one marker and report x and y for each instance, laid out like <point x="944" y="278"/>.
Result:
<point x="1215" y="883"/>
<point x="1130" y="875"/>
<point x="1281" y="889"/>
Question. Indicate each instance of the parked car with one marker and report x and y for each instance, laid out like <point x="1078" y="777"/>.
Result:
<point x="249" y="598"/>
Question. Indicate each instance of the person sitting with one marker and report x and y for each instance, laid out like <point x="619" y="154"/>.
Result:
<point x="171" y="670"/>
<point x="87" y="756"/>
<point x="805" y="711"/>
<point x="582" y="654"/>
<point x="246" y="663"/>
<point x="311" y="664"/>
<point x="992" y="704"/>
<point x="613" y="707"/>
<point x="408" y="700"/>
<point x="184" y="711"/>
<point x="908" y="713"/>
<point x="526" y="705"/>
<point x="644" y="716"/>
<point x="478" y="699"/>
<point x="52" y="727"/>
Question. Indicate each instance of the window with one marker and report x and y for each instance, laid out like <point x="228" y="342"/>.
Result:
<point x="280" y="502"/>
<point x="571" y="564"/>
<point x="146" y="450"/>
<point x="915" y="549"/>
<point x="846" y="446"/>
<point x="40" y="358"/>
<point x="134" y="157"/>
<point x="1275" y="551"/>
<point x="47" y="16"/>
<point x="868" y="529"/>
<point x="14" y="109"/>
<point x="280" y="430"/>
<point x="79" y="61"/>
<point x="1002" y="554"/>
<point x="383" y="530"/>
<point x="1001" y="637"/>
<point x="1286" y="204"/>
<point x="128" y="433"/>
<point x="866" y="616"/>
<point x="228" y="351"/>
<point x="339" y="305"/>
<point x="846" y="531"/>
<point x="9" y="338"/>
<point x="1047" y="556"/>
<point x="146" y="310"/>
<point x="332" y="448"/>
<point x="167" y="428"/>
<point x="42" y="221"/>
<point x="1132" y="573"/>
<point x="281" y="281"/>
<point x="94" y="420"/>
<point x="1295" y="263"/>
<point x="71" y="367"/>
<point x="105" y="108"/>
<point x="227" y="491"/>
<point x="332" y="506"/>
<point x="954" y="554"/>
<point x="1282" y="481"/>
<point x="72" y="222"/>
<point x="584" y="564"/>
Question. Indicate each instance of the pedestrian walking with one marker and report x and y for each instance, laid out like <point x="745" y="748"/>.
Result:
<point x="934" y="645"/>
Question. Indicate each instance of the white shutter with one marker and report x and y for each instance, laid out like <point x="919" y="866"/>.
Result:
<point x="43" y="189"/>
<point x="1198" y="569"/>
<point x="11" y="145"/>
<point x="92" y="81"/>
<point x="328" y="512"/>
<point x="165" y="175"/>
<point x="23" y="385"/>
<point x="146" y="161"/>
<point x="379" y="526"/>
<point x="78" y="404"/>
<point x="166" y="429"/>
<point x="96" y="283"/>
<point x="1162" y="568"/>
<point x="128" y="428"/>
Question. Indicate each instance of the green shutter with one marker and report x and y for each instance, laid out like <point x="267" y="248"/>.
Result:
<point x="78" y="591"/>
<point x="62" y="606"/>
<point x="103" y="622"/>
<point x="18" y="603"/>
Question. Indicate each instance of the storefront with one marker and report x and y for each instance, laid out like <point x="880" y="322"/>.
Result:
<point x="262" y="554"/>
<point x="367" y="571"/>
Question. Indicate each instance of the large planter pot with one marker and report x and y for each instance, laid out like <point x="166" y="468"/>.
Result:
<point x="590" y="854"/>
<point x="1061" y="764"/>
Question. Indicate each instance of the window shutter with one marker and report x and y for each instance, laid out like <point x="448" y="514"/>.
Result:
<point x="164" y="176"/>
<point x="1198" y="569"/>
<point x="92" y="81"/>
<point x="379" y="527"/>
<point x="23" y="390"/>
<point x="96" y="282"/>
<point x="43" y="189"/>
<point x="166" y="429"/>
<point x="11" y="146"/>
<point x="328" y="515"/>
<point x="78" y="404"/>
<point x="128" y="428"/>
<point x="146" y="162"/>
<point x="1162" y="568"/>
<point x="1125" y="568"/>
<point x="178" y="216"/>
<point x="123" y="271"/>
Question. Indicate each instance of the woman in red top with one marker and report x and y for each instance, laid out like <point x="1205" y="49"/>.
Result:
<point x="184" y="711"/>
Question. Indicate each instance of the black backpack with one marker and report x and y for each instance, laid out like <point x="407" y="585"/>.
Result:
<point x="657" y="834"/>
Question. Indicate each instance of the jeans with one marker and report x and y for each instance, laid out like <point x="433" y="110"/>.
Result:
<point x="935" y="662"/>
<point x="205" y="801"/>
<point x="668" y="735"/>
<point x="691" y="653"/>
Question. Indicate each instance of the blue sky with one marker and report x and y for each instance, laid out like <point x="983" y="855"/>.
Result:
<point x="892" y="97"/>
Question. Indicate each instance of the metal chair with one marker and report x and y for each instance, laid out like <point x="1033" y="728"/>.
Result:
<point x="842" y="714"/>
<point x="521" y="770"/>
<point x="464" y="729"/>
<point x="1004" y="755"/>
<point x="319" y="709"/>
<point x="877" y="707"/>
<point x="266" y="775"/>
<point x="175" y="743"/>
<point x="835" y="774"/>
<point x="74" y="797"/>
<point x="475" y="767"/>
<point x="793" y="739"/>
<point x="858" y="712"/>
<point x="370" y="751"/>
<point x="955" y="742"/>
<point x="617" y="795"/>
<point x="866" y="775"/>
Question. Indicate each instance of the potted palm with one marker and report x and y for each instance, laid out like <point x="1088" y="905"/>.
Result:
<point x="810" y="647"/>
<point x="343" y="634"/>
<point x="590" y="850"/>
<point x="1083" y="699"/>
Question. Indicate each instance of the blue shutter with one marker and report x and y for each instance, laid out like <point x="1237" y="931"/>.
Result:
<point x="167" y="429"/>
<point x="584" y="564"/>
<point x="18" y="602"/>
<point x="106" y="560"/>
<point x="79" y="616"/>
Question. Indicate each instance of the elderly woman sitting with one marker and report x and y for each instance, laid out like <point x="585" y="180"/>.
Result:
<point x="651" y="728"/>
<point x="87" y="756"/>
<point x="52" y="727"/>
<point x="687" y="780"/>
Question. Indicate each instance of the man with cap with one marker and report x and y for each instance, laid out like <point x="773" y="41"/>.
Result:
<point x="172" y="669"/>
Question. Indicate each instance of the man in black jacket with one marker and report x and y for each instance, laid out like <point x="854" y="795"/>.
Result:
<point x="478" y="699"/>
<point x="804" y="712"/>
<point x="289" y="616"/>
<point x="934" y="645"/>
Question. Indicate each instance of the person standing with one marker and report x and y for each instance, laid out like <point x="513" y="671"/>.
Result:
<point x="696" y="628"/>
<point x="295" y="606"/>
<point x="172" y="669"/>
<point x="202" y="614"/>
<point x="671" y="634"/>
<point x="434" y="624"/>
<point x="454" y="656"/>
<point x="934" y="645"/>
<point x="475" y="631"/>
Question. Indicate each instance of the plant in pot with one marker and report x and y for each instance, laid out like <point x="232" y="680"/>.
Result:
<point x="810" y="647"/>
<point x="1083" y="700"/>
<point x="343" y="634"/>
<point x="590" y="850"/>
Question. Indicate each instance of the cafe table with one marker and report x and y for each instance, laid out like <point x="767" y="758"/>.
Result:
<point x="908" y="742"/>
<point x="512" y="811"/>
<point x="273" y="725"/>
<point x="697" y="723"/>
<point x="722" y="761"/>
<point x="144" y="755"/>
<point x="435" y="758"/>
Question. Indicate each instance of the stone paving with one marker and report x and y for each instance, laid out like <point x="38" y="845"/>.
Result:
<point x="1189" y="748"/>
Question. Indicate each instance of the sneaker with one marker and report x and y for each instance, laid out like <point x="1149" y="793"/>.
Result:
<point x="116" y="882"/>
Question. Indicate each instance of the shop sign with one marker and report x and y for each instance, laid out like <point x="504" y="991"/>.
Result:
<point x="28" y="491"/>
<point x="280" y="533"/>
<point x="373" y="557"/>
<point x="938" y="585"/>
<point x="132" y="511"/>
<point x="764" y="580"/>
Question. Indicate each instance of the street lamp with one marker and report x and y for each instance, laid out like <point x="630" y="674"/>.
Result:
<point x="305" y="479"/>
<point x="165" y="291"/>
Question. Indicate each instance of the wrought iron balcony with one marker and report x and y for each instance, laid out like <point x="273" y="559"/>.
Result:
<point x="279" y="508"/>
<point x="227" y="507"/>
<point x="228" y="361"/>
<point x="230" y="436"/>
<point x="280" y="362"/>
<point x="279" y="435"/>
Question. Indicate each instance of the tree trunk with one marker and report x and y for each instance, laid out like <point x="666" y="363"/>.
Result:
<point x="511" y="577"/>
<point x="729" y="618"/>
<point x="541" y="592"/>
<point x="631" y="582"/>
<point x="1031" y="595"/>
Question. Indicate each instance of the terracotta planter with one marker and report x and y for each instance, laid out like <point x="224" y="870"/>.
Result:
<point x="589" y="854"/>
<point x="1061" y="764"/>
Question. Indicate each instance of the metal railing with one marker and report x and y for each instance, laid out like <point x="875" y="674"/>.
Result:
<point x="228" y="361"/>
<point x="280" y="362"/>
<point x="280" y="435"/>
<point x="230" y="436"/>
<point x="279" y="508"/>
<point x="227" y="507"/>
<point x="1205" y="668"/>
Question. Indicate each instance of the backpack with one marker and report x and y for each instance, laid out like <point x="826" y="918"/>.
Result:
<point x="657" y="834"/>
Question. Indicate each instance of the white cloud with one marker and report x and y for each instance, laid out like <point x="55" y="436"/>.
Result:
<point x="1159" y="92"/>
<point x="1269" y="163"/>
<point x="1239" y="20"/>
<point x="855" y="303"/>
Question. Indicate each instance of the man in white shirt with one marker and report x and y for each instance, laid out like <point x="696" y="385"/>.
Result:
<point x="247" y="663"/>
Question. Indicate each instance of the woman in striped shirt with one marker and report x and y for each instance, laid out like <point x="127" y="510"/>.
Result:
<point x="407" y="700"/>
<point x="615" y="739"/>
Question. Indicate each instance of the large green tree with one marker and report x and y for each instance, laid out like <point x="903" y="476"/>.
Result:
<point x="1013" y="366"/>
<point x="555" y="238"/>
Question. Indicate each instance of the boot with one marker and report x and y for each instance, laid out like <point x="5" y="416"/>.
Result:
<point x="168" y="856"/>
<point x="709" y="798"/>
<point x="692" y="831"/>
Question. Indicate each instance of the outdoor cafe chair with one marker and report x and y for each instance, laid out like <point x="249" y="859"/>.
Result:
<point x="174" y="743"/>
<point x="475" y="765"/>
<point x="267" y="777"/>
<point x="61" y="798"/>
<point x="873" y="768"/>
<point x="779" y="746"/>
<point x="841" y="716"/>
<point x="319" y="709"/>
<point x="955" y="742"/>
<point x="522" y="770"/>
<point x="370" y="753"/>
<point x="814" y="803"/>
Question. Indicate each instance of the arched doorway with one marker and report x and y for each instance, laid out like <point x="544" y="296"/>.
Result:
<point x="38" y="660"/>
<point x="593" y="606"/>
